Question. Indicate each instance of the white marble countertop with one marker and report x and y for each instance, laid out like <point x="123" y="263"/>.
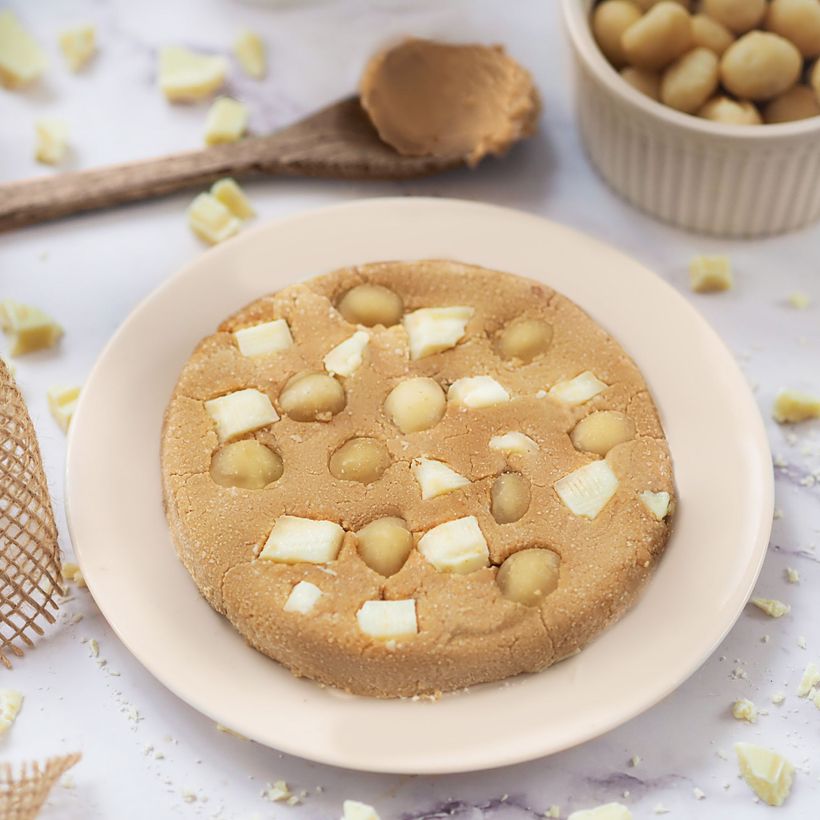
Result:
<point x="90" y="272"/>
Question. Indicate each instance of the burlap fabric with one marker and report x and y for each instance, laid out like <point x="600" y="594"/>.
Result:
<point x="29" y="556"/>
<point x="23" y="793"/>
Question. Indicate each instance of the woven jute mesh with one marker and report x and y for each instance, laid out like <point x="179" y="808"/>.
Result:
<point x="30" y="576"/>
<point x="22" y="793"/>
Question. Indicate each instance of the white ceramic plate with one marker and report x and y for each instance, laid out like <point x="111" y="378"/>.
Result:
<point x="722" y="466"/>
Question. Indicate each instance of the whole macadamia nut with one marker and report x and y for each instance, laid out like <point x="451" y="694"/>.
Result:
<point x="760" y="65"/>
<point x="662" y="35"/>
<point x="730" y="112"/>
<point x="690" y="80"/>
<point x="798" y="103"/>
<point x="609" y="21"/>
<point x="647" y="82"/>
<point x="738" y="15"/>
<point x="798" y="21"/>
<point x="711" y="34"/>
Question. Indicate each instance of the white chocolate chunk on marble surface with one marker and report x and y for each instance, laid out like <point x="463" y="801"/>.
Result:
<point x="62" y="401"/>
<point x="211" y="220"/>
<point x="22" y="61"/>
<point x="710" y="274"/>
<point x="78" y="44"/>
<point x="772" y="607"/>
<point x="767" y="772"/>
<point x="52" y="141"/>
<point x="609" y="811"/>
<point x="187" y="76"/>
<point x="11" y="701"/>
<point x="228" y="192"/>
<point x="226" y="122"/>
<point x="250" y="54"/>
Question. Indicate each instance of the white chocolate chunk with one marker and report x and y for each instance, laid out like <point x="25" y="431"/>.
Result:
<point x="353" y="810"/>
<point x="656" y="503"/>
<point x="185" y="75"/>
<point x="436" y="478"/>
<point x="799" y="300"/>
<point x="587" y="490"/>
<point x="388" y="619"/>
<point x="28" y="327"/>
<point x="61" y="402"/>
<point x="578" y="390"/>
<point x="233" y="198"/>
<point x="78" y="46"/>
<point x="250" y="53"/>
<point x="792" y="575"/>
<point x="791" y="406"/>
<point x="21" y="60"/>
<point x="11" y="701"/>
<point x="456" y="546"/>
<point x="260" y="340"/>
<point x="294" y="539"/>
<point x="302" y="598"/>
<point x="211" y="220"/>
<point x="226" y="122"/>
<point x="810" y="679"/>
<point x="744" y="709"/>
<point x="768" y="773"/>
<point x="52" y="141"/>
<point x="710" y="274"/>
<point x="431" y="330"/>
<point x="346" y="358"/>
<point x="772" y="607"/>
<point x="475" y="392"/>
<point x="609" y="811"/>
<point x="513" y="444"/>
<point x="241" y="412"/>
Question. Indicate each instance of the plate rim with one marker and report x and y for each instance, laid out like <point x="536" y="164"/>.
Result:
<point x="761" y="446"/>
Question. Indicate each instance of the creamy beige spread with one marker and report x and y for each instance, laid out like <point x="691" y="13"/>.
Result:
<point x="427" y="98"/>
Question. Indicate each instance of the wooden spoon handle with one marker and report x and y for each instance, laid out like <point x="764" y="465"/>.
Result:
<point x="36" y="200"/>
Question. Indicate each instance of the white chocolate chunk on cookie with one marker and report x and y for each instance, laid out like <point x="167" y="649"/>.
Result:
<point x="227" y="121"/>
<point x="436" y="478"/>
<point x="302" y="598"/>
<point x="186" y="76"/>
<point x="431" y="330"/>
<point x="346" y="358"/>
<point x="27" y="327"/>
<point x="294" y="539"/>
<point x="513" y="443"/>
<point x="388" y="619"/>
<point x="772" y="607"/>
<point x="768" y="773"/>
<point x="609" y="811"/>
<point x="656" y="503"/>
<point x="710" y="274"/>
<point x="11" y="701"/>
<point x="810" y="679"/>
<point x="241" y="412"/>
<point x="475" y="392"/>
<point x="78" y="46"/>
<point x="21" y="60"/>
<point x="61" y="403"/>
<point x="587" y="490"/>
<point x="792" y="406"/>
<point x="456" y="546"/>
<point x="250" y="54"/>
<point x="744" y="709"/>
<point x="578" y="390"/>
<point x="233" y="198"/>
<point x="52" y="141"/>
<point x="265" y="338"/>
<point x="211" y="220"/>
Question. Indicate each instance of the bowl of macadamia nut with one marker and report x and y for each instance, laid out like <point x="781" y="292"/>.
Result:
<point x="703" y="113"/>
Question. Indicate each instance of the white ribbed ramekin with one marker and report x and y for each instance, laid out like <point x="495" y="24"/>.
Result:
<point x="726" y="180"/>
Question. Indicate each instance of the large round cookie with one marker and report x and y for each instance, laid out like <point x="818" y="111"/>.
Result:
<point x="267" y="499"/>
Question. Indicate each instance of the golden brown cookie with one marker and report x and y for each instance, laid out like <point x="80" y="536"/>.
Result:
<point x="410" y="477"/>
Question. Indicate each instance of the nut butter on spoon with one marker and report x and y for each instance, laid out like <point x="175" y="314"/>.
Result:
<point x="434" y="107"/>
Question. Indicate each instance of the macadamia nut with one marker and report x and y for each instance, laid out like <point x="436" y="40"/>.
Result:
<point x="760" y="65"/>
<point x="246" y="464"/>
<point x="360" y="459"/>
<point x="798" y="103"/>
<point x="662" y="35"/>
<point x="384" y="545"/>
<point x="312" y="397"/>
<point x="738" y="15"/>
<point x="730" y="112"/>
<point x="524" y="339"/>
<point x="371" y="305"/>
<point x="610" y="20"/>
<point x="797" y="21"/>
<point x="416" y="404"/>
<point x="647" y="82"/>
<point x="599" y="432"/>
<point x="528" y="576"/>
<point x="690" y="80"/>
<point x="711" y="34"/>
<point x="510" y="497"/>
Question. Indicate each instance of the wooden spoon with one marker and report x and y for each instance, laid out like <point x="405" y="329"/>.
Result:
<point x="337" y="142"/>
